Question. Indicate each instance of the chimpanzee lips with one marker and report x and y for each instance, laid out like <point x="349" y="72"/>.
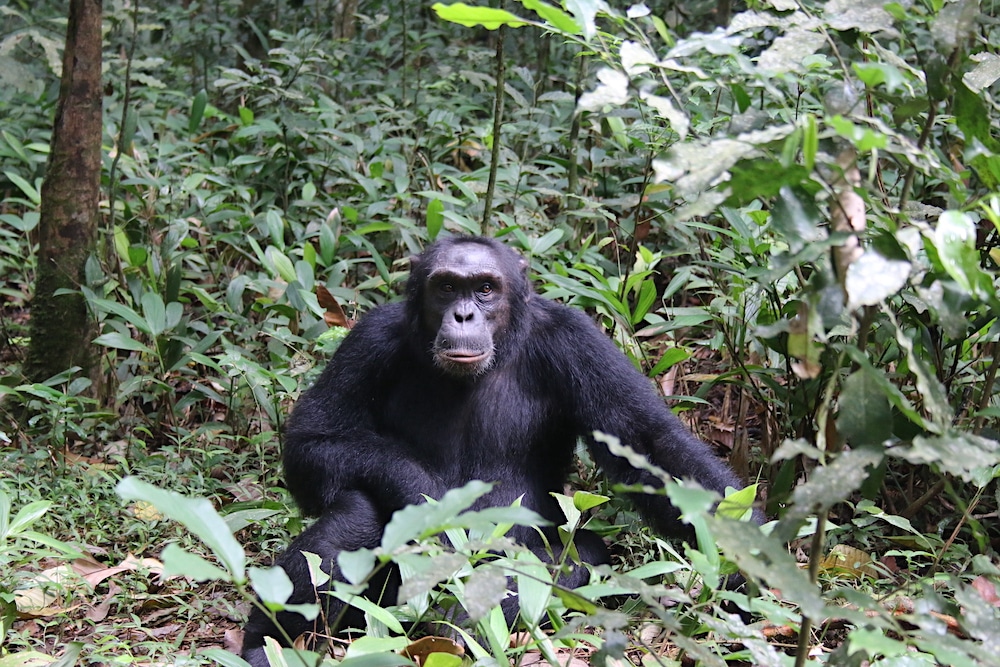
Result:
<point x="466" y="356"/>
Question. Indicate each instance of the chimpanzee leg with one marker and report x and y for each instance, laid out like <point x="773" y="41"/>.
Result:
<point x="351" y="523"/>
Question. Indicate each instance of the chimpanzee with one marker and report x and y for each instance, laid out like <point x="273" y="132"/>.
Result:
<point x="474" y="376"/>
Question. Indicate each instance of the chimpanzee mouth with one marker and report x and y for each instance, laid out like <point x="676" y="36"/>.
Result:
<point x="466" y="356"/>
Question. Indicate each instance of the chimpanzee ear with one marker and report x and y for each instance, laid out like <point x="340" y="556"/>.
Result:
<point x="414" y="263"/>
<point x="523" y="264"/>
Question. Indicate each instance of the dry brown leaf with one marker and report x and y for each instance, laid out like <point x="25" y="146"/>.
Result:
<point x="131" y="563"/>
<point x="46" y="588"/>
<point x="423" y="647"/>
<point x="334" y="315"/>
<point x="850" y="561"/>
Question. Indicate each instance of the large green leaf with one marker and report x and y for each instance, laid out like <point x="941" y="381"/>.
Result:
<point x="554" y="16"/>
<point x="197" y="515"/>
<point x="864" y="416"/>
<point x="955" y="241"/>
<point x="469" y="16"/>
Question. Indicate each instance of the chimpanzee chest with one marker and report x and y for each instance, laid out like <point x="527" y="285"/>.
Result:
<point x="486" y="428"/>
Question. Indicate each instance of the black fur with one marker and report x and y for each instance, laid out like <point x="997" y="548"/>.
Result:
<point x="385" y="425"/>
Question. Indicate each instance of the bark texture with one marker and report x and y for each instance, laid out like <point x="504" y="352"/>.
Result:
<point x="61" y="329"/>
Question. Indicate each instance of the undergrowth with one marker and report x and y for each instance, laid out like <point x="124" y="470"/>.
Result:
<point x="789" y="221"/>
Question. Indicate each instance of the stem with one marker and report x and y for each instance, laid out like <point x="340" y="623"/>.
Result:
<point x="815" y="554"/>
<point x="911" y="172"/>
<point x="987" y="390"/>
<point x="112" y="256"/>
<point x="574" y="136"/>
<point x="497" y="123"/>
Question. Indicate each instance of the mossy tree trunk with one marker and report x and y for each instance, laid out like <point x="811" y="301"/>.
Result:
<point x="61" y="329"/>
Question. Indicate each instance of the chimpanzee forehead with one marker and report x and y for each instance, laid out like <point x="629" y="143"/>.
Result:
<point x="465" y="259"/>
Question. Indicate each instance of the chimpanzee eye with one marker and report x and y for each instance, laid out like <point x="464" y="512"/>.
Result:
<point x="486" y="288"/>
<point x="447" y="287"/>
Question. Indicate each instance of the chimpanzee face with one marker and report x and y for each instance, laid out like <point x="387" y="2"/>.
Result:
<point x="466" y="304"/>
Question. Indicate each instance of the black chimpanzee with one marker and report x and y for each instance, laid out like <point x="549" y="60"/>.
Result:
<point x="474" y="376"/>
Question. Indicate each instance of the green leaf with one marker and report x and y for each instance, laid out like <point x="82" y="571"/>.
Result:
<point x="29" y="190"/>
<point x="128" y="129"/>
<point x="534" y="586"/>
<point x="25" y="517"/>
<point x="827" y="486"/>
<point x="435" y="218"/>
<point x="154" y="312"/>
<point x="272" y="585"/>
<point x="422" y="574"/>
<point x="584" y="500"/>
<point x="381" y="658"/>
<point x="489" y="18"/>
<point x="198" y="105"/>
<point x="373" y="610"/>
<point x="955" y="242"/>
<point x="118" y="309"/>
<point x="439" y="659"/>
<point x="871" y="279"/>
<point x="796" y="217"/>
<point x="121" y="243"/>
<point x="356" y="565"/>
<point x="766" y="558"/>
<point x="70" y="656"/>
<point x="370" y="645"/>
<point x="121" y="341"/>
<point x="177" y="561"/>
<point x="415" y="521"/>
<point x="541" y="246"/>
<point x="569" y="510"/>
<point x="318" y="577"/>
<point x="863" y="138"/>
<point x="810" y="142"/>
<point x="874" y="74"/>
<point x="280" y="264"/>
<point x="656" y="568"/>
<point x="585" y="12"/>
<point x="197" y="515"/>
<point x="864" y="416"/>
<point x="875" y="642"/>
<point x="483" y="592"/>
<point x="647" y="297"/>
<point x="955" y="452"/>
<point x="575" y="601"/>
<point x="933" y="393"/>
<point x="4" y="514"/>
<point x="224" y="658"/>
<point x="309" y="191"/>
<point x="984" y="74"/>
<point x="670" y="358"/>
<point x="738" y="504"/>
<point x="554" y="16"/>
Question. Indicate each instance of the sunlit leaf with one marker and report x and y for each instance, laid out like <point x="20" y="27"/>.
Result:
<point x="955" y="241"/>
<point x="871" y="279"/>
<point x="556" y="17"/>
<point x="470" y="16"/>
<point x="985" y="73"/>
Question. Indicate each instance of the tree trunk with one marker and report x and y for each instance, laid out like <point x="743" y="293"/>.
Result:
<point x="61" y="330"/>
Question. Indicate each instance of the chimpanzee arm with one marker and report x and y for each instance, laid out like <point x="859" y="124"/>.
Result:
<point x="609" y="395"/>
<point x="331" y="444"/>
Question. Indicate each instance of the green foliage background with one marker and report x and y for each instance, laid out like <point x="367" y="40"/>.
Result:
<point x="787" y="211"/>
